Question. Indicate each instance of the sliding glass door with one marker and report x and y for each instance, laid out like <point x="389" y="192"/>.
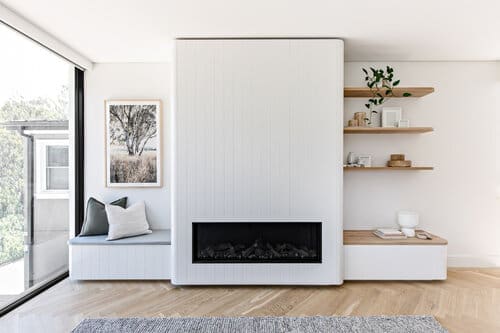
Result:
<point x="37" y="169"/>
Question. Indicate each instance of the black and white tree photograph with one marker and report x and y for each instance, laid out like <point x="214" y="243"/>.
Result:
<point x="133" y="143"/>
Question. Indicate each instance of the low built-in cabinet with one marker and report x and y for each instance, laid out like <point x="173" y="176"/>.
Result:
<point x="367" y="257"/>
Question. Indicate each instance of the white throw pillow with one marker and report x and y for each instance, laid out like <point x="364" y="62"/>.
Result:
<point x="127" y="222"/>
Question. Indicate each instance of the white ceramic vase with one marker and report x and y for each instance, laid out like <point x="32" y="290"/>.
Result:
<point x="408" y="220"/>
<point x="375" y="119"/>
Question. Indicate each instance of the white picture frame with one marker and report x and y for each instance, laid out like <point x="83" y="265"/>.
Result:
<point x="391" y="116"/>
<point x="365" y="160"/>
<point x="133" y="162"/>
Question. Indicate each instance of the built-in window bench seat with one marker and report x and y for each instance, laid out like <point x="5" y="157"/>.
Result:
<point x="145" y="257"/>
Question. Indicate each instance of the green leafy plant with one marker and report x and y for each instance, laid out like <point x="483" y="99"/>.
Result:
<point x="381" y="83"/>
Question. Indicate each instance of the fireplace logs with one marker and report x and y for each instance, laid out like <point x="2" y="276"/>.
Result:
<point x="258" y="250"/>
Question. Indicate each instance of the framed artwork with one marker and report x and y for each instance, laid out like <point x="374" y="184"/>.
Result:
<point x="133" y="143"/>
<point x="391" y="116"/>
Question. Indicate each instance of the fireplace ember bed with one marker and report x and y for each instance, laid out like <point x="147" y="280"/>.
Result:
<point x="257" y="242"/>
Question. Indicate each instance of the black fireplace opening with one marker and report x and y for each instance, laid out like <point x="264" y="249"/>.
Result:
<point x="257" y="242"/>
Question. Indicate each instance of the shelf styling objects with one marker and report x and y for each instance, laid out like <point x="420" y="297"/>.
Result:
<point x="365" y="161"/>
<point x="397" y="157"/>
<point x="391" y="116"/>
<point x="389" y="234"/>
<point x="381" y="84"/>
<point x="398" y="160"/>
<point x="408" y="220"/>
<point x="352" y="123"/>
<point x="359" y="120"/>
<point x="423" y="235"/>
<point x="351" y="159"/>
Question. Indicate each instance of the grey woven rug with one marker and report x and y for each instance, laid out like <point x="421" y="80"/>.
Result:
<point x="377" y="324"/>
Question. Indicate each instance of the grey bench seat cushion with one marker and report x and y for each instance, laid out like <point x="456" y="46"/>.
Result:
<point x="158" y="237"/>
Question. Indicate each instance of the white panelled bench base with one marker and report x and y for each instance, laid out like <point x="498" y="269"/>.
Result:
<point x="146" y="257"/>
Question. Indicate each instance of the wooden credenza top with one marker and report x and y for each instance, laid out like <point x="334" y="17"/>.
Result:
<point x="366" y="237"/>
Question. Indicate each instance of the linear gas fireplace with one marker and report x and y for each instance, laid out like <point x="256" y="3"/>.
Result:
<point x="257" y="242"/>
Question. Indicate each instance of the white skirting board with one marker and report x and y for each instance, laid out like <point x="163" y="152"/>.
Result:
<point x="474" y="261"/>
<point x="120" y="262"/>
<point x="387" y="262"/>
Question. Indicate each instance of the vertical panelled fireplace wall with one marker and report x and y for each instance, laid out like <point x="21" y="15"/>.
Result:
<point x="257" y="242"/>
<point x="256" y="173"/>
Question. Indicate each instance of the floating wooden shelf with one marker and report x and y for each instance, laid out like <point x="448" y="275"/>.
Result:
<point x="398" y="92"/>
<point x="386" y="130"/>
<point x="381" y="168"/>
<point x="366" y="237"/>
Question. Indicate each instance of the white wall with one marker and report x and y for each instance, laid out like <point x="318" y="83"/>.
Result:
<point x="458" y="199"/>
<point x="120" y="81"/>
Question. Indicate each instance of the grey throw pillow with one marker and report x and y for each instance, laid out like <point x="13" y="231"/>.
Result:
<point x="96" y="220"/>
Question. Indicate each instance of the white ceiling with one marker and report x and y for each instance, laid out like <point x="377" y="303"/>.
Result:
<point x="142" y="30"/>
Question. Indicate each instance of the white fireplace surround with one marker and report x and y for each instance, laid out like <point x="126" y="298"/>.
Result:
<point x="257" y="137"/>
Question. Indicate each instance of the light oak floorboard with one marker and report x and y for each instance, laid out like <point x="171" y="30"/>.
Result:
<point x="469" y="301"/>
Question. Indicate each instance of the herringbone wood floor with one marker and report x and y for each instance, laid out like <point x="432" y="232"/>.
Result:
<point x="469" y="301"/>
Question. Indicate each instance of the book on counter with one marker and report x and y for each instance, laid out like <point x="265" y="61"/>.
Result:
<point x="389" y="234"/>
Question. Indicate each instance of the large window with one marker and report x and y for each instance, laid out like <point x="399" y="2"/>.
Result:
<point x="37" y="165"/>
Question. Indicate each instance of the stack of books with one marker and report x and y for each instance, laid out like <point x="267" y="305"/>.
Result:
<point x="389" y="234"/>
